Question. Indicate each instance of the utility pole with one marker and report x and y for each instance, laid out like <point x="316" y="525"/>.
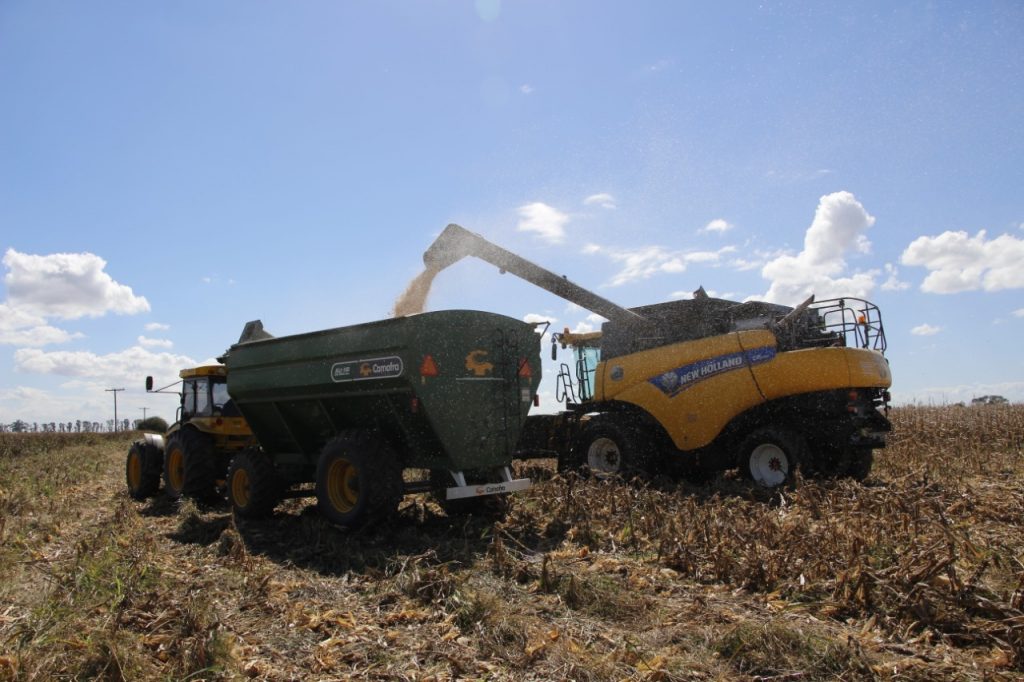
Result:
<point x="114" y="391"/>
<point x="143" y="412"/>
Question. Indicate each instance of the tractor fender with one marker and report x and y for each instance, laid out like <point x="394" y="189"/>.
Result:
<point x="154" y="439"/>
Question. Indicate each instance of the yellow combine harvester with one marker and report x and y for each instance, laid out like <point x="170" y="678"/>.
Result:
<point x="193" y="456"/>
<point x="696" y="386"/>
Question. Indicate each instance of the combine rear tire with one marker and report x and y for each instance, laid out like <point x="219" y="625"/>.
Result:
<point x="189" y="469"/>
<point x="609" y="449"/>
<point x="860" y="463"/>
<point x="142" y="470"/>
<point x="358" y="480"/>
<point x="253" y="485"/>
<point x="770" y="457"/>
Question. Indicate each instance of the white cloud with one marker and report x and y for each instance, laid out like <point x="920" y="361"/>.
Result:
<point x="925" y="330"/>
<point x="893" y="283"/>
<point x="837" y="229"/>
<point x="534" y="318"/>
<point x="128" y="366"/>
<point x="548" y="222"/>
<point x="718" y="225"/>
<point x="647" y="261"/>
<point x="526" y="88"/>
<point x="155" y="343"/>
<point x="157" y="327"/>
<point x="1019" y="312"/>
<point x="604" y="200"/>
<point x="66" y="285"/>
<point x="20" y="328"/>
<point x="958" y="262"/>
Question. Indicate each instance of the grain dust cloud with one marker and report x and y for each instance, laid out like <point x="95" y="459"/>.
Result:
<point x="414" y="299"/>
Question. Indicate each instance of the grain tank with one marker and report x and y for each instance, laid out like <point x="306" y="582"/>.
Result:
<point x="354" y="409"/>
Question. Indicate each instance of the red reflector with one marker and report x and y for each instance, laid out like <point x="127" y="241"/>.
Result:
<point x="524" y="368"/>
<point x="853" y="395"/>
<point x="429" y="367"/>
<point x="414" y="405"/>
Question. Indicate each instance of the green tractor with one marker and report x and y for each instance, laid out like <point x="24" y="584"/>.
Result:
<point x="194" y="455"/>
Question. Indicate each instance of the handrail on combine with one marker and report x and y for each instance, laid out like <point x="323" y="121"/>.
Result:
<point x="856" y="321"/>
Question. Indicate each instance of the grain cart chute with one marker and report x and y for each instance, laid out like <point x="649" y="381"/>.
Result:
<point x="194" y="454"/>
<point x="351" y="409"/>
<point x="707" y="384"/>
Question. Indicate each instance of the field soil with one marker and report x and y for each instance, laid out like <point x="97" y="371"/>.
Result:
<point x="916" y="574"/>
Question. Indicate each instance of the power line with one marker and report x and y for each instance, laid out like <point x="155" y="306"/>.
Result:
<point x="114" y="391"/>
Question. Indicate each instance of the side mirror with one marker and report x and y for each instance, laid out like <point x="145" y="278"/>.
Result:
<point x="149" y="384"/>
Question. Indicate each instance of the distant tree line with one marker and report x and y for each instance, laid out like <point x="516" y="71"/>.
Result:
<point x="84" y="426"/>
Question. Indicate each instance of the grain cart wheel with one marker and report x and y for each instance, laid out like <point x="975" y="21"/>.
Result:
<point x="358" y="480"/>
<point x="142" y="470"/>
<point x="253" y="484"/>
<point x="861" y="461"/>
<point x="189" y="466"/>
<point x="609" y="449"/>
<point x="770" y="457"/>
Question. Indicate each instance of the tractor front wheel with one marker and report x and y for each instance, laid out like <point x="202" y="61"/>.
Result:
<point x="142" y="470"/>
<point x="189" y="469"/>
<point x="358" y="480"/>
<point x="253" y="485"/>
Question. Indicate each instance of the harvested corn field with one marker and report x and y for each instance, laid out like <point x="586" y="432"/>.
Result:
<point x="916" y="574"/>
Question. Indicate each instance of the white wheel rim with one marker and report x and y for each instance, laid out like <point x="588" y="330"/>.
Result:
<point x="769" y="465"/>
<point x="603" y="456"/>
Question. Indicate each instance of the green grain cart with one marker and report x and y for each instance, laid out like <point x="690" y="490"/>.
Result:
<point x="429" y="402"/>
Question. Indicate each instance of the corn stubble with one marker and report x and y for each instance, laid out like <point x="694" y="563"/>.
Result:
<point x="917" y="574"/>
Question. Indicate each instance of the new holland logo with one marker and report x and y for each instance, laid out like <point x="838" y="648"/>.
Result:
<point x="675" y="381"/>
<point x="476" y="364"/>
<point x="363" y="370"/>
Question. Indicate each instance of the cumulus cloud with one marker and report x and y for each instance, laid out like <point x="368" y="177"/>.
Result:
<point x="155" y="343"/>
<point x="925" y="330"/>
<point x="718" y="225"/>
<point x="838" y="228"/>
<point x="534" y="318"/>
<point x="67" y="286"/>
<point x="130" y="365"/>
<point x="893" y="283"/>
<point x="547" y="221"/>
<point x="157" y="327"/>
<point x="604" y="200"/>
<point x="20" y="328"/>
<point x="647" y="261"/>
<point x="958" y="262"/>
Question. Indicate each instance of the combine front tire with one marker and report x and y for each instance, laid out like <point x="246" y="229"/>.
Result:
<point x="358" y="480"/>
<point x="253" y="485"/>
<point x="609" y="449"/>
<point x="860" y="463"/>
<point x="188" y="465"/>
<point x="142" y="470"/>
<point x="770" y="457"/>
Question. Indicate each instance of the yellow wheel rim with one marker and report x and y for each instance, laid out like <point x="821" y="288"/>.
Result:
<point x="176" y="468"/>
<point x="240" y="488"/>
<point x="343" y="485"/>
<point x="134" y="470"/>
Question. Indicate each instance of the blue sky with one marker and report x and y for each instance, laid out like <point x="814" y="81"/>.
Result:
<point x="169" y="171"/>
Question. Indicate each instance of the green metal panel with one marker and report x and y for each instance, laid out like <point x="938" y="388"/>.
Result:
<point x="297" y="392"/>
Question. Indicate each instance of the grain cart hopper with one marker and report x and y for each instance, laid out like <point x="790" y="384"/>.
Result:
<point x="351" y="409"/>
<point x="193" y="455"/>
<point x="700" y="385"/>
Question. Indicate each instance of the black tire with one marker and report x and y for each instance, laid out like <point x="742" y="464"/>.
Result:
<point x="358" y="480"/>
<point x="608" y="449"/>
<point x="827" y="460"/>
<point x="142" y="470"/>
<point x="861" y="462"/>
<point x="254" y="487"/>
<point x="770" y="457"/>
<point x="189" y="468"/>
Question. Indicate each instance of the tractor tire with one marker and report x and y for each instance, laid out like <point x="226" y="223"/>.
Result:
<point x="254" y="487"/>
<point x="861" y="462"/>
<point x="608" y="449"/>
<point x="358" y="480"/>
<point x="189" y="468"/>
<point x="770" y="456"/>
<point x="142" y="470"/>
